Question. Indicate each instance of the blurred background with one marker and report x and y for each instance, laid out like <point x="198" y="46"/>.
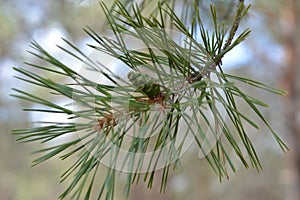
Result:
<point x="269" y="55"/>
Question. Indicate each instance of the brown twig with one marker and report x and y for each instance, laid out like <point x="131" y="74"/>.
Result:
<point x="110" y="120"/>
<point x="106" y="121"/>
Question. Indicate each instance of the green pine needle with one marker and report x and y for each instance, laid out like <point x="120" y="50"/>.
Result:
<point x="181" y="91"/>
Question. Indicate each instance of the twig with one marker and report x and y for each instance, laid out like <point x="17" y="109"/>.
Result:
<point x="231" y="35"/>
<point x="235" y="25"/>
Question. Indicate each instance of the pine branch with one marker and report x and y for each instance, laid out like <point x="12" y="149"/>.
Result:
<point x="163" y="102"/>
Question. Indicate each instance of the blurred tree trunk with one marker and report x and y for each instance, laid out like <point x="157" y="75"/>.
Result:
<point x="291" y="35"/>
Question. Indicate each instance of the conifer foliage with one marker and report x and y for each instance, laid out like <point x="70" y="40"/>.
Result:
<point x="173" y="93"/>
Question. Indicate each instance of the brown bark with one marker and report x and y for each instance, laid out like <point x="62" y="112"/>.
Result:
<point x="291" y="42"/>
